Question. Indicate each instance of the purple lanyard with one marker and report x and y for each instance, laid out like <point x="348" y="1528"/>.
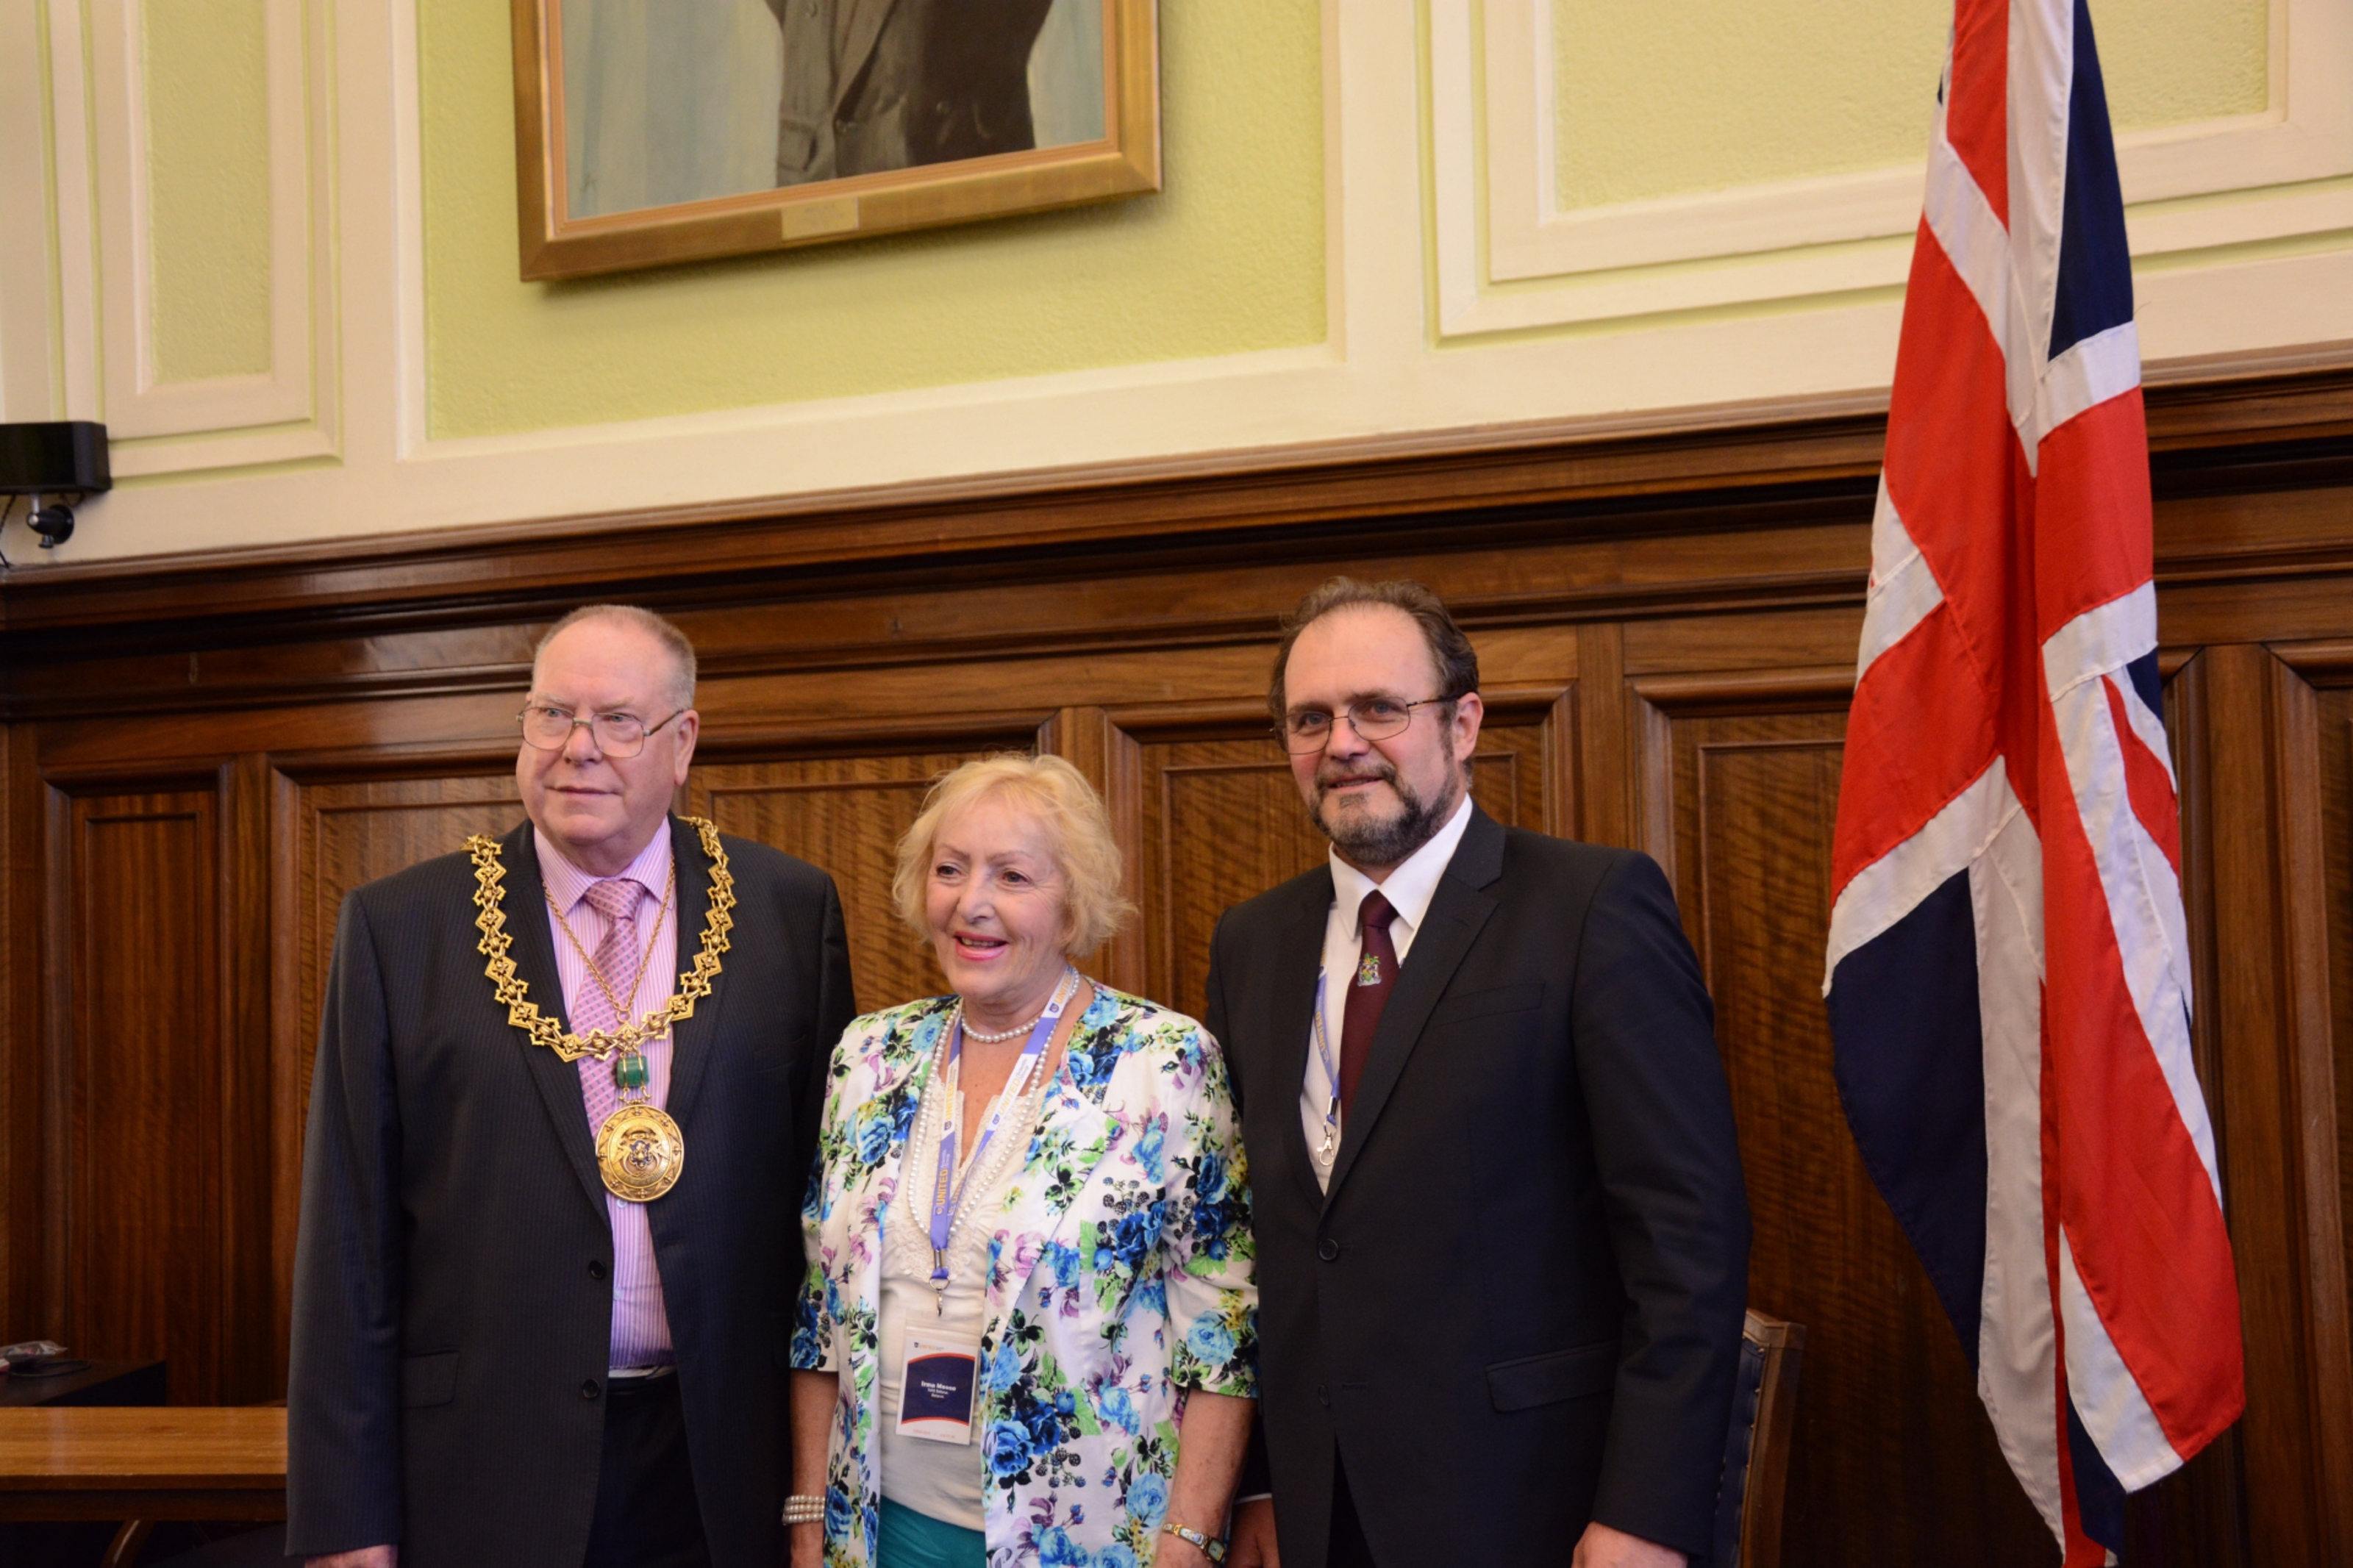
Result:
<point x="947" y="1193"/>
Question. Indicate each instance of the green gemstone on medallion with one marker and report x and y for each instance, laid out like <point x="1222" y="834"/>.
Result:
<point x="629" y="1071"/>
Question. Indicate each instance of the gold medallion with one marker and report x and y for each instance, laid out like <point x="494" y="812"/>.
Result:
<point x="641" y="1151"/>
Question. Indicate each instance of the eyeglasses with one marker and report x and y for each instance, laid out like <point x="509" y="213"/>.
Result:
<point x="619" y="735"/>
<point x="1374" y="718"/>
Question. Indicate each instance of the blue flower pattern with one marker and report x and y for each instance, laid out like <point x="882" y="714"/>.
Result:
<point x="1120" y="1276"/>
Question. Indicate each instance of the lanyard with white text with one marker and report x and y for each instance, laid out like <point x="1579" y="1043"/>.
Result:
<point x="947" y="1193"/>
<point x="1330" y="1073"/>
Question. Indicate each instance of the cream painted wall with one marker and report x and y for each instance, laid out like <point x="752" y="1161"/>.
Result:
<point x="1657" y="100"/>
<point x="207" y="93"/>
<point x="1228" y="259"/>
<point x="1361" y="237"/>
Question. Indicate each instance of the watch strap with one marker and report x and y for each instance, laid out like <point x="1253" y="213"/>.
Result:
<point x="1211" y="1547"/>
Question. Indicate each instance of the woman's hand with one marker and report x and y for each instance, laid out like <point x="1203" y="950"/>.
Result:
<point x="1170" y="1552"/>
<point x="814" y="1397"/>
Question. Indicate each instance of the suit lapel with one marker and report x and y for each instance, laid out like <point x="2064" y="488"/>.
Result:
<point x="692" y="1040"/>
<point x="866" y="21"/>
<point x="525" y="905"/>
<point x="1456" y="914"/>
<point x="1291" y="1020"/>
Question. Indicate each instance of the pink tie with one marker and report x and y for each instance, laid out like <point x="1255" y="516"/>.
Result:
<point x="617" y="960"/>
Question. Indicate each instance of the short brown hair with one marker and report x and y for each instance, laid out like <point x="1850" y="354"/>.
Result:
<point x="672" y="641"/>
<point x="1450" y="651"/>
<point x="1076" y="822"/>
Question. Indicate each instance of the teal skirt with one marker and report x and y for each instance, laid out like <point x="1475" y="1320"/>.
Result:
<point x="911" y="1540"/>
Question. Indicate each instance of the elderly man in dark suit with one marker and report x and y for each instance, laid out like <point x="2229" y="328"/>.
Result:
<point x="873" y="84"/>
<point x="1502" y="1236"/>
<point x="550" y="1239"/>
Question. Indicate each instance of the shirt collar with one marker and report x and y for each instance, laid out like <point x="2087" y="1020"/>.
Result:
<point x="1414" y="883"/>
<point x="567" y="884"/>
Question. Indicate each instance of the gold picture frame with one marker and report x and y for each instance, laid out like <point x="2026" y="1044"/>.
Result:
<point x="602" y="152"/>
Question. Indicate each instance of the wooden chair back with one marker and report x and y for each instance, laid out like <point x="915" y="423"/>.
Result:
<point x="1757" y="1444"/>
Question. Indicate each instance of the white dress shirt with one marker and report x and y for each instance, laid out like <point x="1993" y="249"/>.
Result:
<point x="1409" y="888"/>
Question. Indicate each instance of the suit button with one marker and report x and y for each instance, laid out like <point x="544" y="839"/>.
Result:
<point x="595" y="1269"/>
<point x="1322" y="1396"/>
<point x="1327" y="1249"/>
<point x="590" y="1389"/>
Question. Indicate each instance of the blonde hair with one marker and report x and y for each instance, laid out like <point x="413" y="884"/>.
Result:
<point x="1077" y="826"/>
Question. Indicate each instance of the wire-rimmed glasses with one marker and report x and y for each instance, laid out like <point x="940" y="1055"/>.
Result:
<point x="1374" y="718"/>
<point x="621" y="735"/>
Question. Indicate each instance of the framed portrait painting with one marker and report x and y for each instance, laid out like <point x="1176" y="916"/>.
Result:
<point x="652" y="131"/>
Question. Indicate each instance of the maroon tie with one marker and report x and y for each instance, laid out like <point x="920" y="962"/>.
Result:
<point x="1368" y="992"/>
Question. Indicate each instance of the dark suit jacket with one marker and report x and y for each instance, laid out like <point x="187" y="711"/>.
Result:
<point x="872" y="85"/>
<point x="453" y="1278"/>
<point x="1520" y="1307"/>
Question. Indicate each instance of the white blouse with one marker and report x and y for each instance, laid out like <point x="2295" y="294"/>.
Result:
<point x="942" y="1480"/>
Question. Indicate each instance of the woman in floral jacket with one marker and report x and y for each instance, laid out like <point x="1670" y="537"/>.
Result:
<point x="1028" y="1330"/>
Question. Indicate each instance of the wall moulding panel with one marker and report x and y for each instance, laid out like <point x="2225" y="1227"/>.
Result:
<point x="1498" y="219"/>
<point x="285" y="411"/>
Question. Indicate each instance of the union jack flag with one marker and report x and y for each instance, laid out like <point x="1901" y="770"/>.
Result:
<point x="2008" y="976"/>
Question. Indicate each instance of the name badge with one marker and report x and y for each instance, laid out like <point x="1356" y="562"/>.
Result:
<point x="936" y="1391"/>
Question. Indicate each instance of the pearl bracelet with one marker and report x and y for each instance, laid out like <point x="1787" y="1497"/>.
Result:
<point x="803" y="1509"/>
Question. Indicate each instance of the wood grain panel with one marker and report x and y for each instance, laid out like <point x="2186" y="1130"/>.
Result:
<point x="328" y="839"/>
<point x="2335" y="761"/>
<point x="2275" y="1097"/>
<point x="1894" y="1460"/>
<point x="1222" y="821"/>
<point x="847" y="815"/>
<point x="142" y="1076"/>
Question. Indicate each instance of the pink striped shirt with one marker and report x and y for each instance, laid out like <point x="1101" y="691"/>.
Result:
<point x="640" y="1325"/>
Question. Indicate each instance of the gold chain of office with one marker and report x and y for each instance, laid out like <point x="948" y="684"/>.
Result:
<point x="693" y="985"/>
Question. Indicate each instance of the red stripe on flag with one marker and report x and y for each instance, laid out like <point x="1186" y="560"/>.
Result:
<point x="2093" y="478"/>
<point x="2147" y="1238"/>
<point x="1976" y="118"/>
<point x="2146" y="783"/>
<point x="1919" y="732"/>
<point x="1952" y="455"/>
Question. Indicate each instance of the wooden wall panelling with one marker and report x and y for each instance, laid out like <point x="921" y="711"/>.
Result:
<point x="2335" y="746"/>
<point x="1893" y="1459"/>
<point x="2276" y="1099"/>
<point x="1221" y="819"/>
<point x="249" y="1070"/>
<point x="21" y="933"/>
<point x="1113" y="763"/>
<point x="846" y="814"/>
<point x="330" y="833"/>
<point x="141" y="1118"/>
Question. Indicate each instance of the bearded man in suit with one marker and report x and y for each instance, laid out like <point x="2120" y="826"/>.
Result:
<point x="550" y="1240"/>
<point x="1502" y="1236"/>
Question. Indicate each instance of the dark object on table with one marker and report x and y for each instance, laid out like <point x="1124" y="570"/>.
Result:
<point x="86" y="1382"/>
<point x="48" y="1366"/>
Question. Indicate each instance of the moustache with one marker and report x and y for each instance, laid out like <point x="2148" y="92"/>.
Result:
<point x="1328" y="777"/>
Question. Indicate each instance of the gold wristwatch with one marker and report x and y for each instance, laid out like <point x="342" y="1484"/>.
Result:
<point x="1211" y="1547"/>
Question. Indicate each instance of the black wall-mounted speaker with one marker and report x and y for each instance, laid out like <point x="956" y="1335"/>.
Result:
<point x="66" y="456"/>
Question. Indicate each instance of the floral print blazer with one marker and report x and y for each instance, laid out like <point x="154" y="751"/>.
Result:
<point x="1120" y="1278"/>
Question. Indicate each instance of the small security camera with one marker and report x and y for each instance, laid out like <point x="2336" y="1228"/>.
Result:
<point x="45" y="461"/>
<point x="54" y="524"/>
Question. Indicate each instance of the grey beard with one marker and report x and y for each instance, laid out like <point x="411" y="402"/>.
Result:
<point x="1364" y="843"/>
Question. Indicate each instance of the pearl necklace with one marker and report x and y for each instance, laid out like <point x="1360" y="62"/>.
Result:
<point x="1061" y="986"/>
